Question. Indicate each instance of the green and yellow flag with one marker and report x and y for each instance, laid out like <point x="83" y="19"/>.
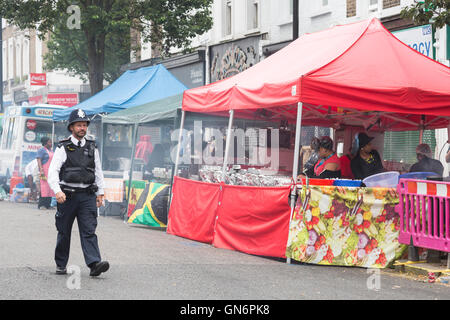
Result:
<point x="152" y="206"/>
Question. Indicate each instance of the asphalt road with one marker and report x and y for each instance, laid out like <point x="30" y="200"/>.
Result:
<point x="149" y="264"/>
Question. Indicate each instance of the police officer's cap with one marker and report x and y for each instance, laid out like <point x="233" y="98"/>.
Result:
<point x="77" y="115"/>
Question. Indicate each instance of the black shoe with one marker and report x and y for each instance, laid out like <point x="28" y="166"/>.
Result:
<point x="60" y="270"/>
<point x="99" y="268"/>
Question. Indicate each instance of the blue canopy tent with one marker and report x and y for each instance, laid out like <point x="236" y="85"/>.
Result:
<point x="133" y="88"/>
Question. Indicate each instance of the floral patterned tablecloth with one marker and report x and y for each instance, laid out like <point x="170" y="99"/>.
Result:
<point x="345" y="226"/>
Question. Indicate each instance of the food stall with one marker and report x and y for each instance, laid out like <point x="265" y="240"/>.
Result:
<point x="150" y="136"/>
<point x="130" y="138"/>
<point x="350" y="76"/>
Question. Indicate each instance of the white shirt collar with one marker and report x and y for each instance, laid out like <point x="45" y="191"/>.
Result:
<point x="75" y="140"/>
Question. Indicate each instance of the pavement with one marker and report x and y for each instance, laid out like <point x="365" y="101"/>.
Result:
<point x="149" y="264"/>
<point x="431" y="272"/>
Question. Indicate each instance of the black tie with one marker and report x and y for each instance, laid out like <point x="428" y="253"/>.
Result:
<point x="79" y="143"/>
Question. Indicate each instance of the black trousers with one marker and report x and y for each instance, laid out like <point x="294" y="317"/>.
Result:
<point x="81" y="206"/>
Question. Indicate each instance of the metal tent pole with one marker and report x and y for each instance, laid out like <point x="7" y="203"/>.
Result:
<point x="175" y="124"/>
<point x="298" y="129"/>
<point x="101" y="137"/>
<point x="228" y="142"/>
<point x="130" y="177"/>
<point x="177" y="160"/>
<point x="180" y="135"/>
<point x="53" y="134"/>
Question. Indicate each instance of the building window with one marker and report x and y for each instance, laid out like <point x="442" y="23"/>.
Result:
<point x="252" y="14"/>
<point x="324" y="3"/>
<point x="18" y="56"/>
<point x="227" y="18"/>
<point x="390" y="3"/>
<point x="26" y="58"/>
<point x="5" y="63"/>
<point x="351" y="8"/>
<point x="373" y="5"/>
<point x="10" y="59"/>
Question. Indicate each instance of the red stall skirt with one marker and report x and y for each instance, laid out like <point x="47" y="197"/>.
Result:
<point x="254" y="220"/>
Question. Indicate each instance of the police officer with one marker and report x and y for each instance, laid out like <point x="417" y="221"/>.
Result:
<point x="76" y="177"/>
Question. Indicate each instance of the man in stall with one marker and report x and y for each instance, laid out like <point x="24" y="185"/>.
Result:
<point x="425" y="162"/>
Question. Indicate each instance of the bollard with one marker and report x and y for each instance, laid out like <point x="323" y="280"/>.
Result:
<point x="413" y="252"/>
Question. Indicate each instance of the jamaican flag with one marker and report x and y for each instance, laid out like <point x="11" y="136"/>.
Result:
<point x="152" y="207"/>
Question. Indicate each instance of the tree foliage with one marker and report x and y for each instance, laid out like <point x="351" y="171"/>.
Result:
<point x="103" y="24"/>
<point x="436" y="12"/>
<point x="68" y="50"/>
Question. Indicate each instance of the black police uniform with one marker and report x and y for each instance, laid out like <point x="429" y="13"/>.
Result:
<point x="81" y="202"/>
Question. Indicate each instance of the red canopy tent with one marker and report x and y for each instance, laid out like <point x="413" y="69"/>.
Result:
<point x="345" y="76"/>
<point x="338" y="74"/>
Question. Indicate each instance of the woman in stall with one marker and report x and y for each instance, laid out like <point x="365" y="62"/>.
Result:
<point x="367" y="161"/>
<point x="328" y="165"/>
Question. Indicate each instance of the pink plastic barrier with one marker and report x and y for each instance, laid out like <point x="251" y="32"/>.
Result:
<point x="424" y="209"/>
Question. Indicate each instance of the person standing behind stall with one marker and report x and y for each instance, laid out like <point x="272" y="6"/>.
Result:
<point x="328" y="165"/>
<point x="367" y="161"/>
<point x="44" y="158"/>
<point x="447" y="156"/>
<point x="425" y="161"/>
<point x="309" y="165"/>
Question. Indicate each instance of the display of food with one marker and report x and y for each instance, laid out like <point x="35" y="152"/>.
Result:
<point x="242" y="177"/>
<point x="162" y="173"/>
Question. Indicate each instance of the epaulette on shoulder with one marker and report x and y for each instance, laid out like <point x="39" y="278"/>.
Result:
<point x="91" y="141"/>
<point x="63" y="142"/>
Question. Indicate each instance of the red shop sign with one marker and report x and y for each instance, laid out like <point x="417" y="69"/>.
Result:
<point x="63" y="99"/>
<point x="38" y="79"/>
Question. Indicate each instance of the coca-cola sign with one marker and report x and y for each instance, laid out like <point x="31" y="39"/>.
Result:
<point x="38" y="79"/>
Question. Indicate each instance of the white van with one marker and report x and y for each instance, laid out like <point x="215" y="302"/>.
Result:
<point x="23" y="128"/>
